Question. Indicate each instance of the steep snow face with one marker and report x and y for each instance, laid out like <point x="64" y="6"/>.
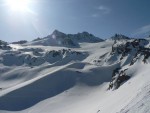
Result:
<point x="58" y="38"/>
<point x="125" y="52"/>
<point x="100" y="77"/>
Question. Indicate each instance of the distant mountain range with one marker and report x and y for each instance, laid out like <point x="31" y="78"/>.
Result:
<point x="58" y="38"/>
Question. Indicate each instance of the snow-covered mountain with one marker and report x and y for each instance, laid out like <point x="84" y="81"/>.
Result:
<point x="58" y="38"/>
<point x="80" y="73"/>
<point x="120" y="37"/>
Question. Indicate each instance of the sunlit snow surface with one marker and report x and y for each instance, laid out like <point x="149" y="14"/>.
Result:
<point x="53" y="86"/>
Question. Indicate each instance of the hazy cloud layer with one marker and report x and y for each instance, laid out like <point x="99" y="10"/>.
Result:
<point x="144" y="30"/>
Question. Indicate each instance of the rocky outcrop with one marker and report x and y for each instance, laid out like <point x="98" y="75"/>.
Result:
<point x="4" y="45"/>
<point x="38" y="57"/>
<point x="118" y="78"/>
<point x="132" y="48"/>
<point x="135" y="49"/>
<point x="120" y="37"/>
<point x="20" y="42"/>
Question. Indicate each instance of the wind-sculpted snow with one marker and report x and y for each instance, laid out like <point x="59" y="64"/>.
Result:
<point x="36" y="57"/>
<point x="141" y="103"/>
<point x="53" y="83"/>
<point x="46" y="87"/>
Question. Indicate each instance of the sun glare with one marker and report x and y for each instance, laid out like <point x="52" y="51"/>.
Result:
<point x="18" y="5"/>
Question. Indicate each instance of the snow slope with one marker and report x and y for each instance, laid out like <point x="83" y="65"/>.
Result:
<point x="36" y="78"/>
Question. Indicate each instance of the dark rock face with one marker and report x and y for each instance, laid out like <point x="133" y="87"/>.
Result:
<point x="141" y="52"/>
<point x="133" y="48"/>
<point x="84" y="37"/>
<point x="128" y="46"/>
<point x="68" y="41"/>
<point x="4" y="45"/>
<point x="118" y="78"/>
<point x="37" y="39"/>
<point x="20" y="42"/>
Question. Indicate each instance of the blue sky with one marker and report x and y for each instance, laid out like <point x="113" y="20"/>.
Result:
<point x="102" y="18"/>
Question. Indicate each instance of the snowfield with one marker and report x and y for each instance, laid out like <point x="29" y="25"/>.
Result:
<point x="75" y="75"/>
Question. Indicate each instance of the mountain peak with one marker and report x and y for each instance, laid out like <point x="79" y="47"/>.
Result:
<point x="58" y="38"/>
<point x="56" y="32"/>
<point x="119" y="37"/>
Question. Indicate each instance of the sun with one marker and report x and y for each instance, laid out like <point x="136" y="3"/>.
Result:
<point x="18" y="5"/>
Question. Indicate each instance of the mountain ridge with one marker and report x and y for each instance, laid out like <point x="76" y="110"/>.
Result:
<point x="58" y="38"/>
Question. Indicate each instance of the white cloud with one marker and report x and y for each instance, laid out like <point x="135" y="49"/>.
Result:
<point x="101" y="10"/>
<point x="144" y="30"/>
<point x="104" y="9"/>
